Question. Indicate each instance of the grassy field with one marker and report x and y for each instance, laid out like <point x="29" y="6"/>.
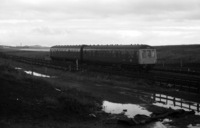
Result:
<point x="177" y="53"/>
<point x="32" y="54"/>
<point x="29" y="101"/>
<point x="26" y="99"/>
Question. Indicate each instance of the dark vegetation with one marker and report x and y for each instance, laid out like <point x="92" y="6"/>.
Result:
<point x="186" y="57"/>
<point x="176" y="53"/>
<point x="31" y="54"/>
<point x="26" y="98"/>
<point x="168" y="54"/>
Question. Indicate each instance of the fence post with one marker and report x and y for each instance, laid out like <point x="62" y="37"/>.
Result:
<point x="32" y="68"/>
<point x="160" y="97"/>
<point x="154" y="97"/>
<point x="174" y="101"/>
<point x="189" y="106"/>
<point x="181" y="103"/>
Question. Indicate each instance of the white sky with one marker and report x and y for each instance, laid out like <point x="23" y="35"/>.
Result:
<point x="57" y="22"/>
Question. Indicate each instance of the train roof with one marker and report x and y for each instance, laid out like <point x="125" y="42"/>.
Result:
<point x="104" y="46"/>
<point x="67" y="46"/>
<point x="119" y="47"/>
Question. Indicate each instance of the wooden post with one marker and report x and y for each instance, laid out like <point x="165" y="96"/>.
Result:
<point x="31" y="68"/>
<point x="154" y="97"/>
<point x="181" y="103"/>
<point x="189" y="106"/>
<point x="174" y="101"/>
<point x="160" y="97"/>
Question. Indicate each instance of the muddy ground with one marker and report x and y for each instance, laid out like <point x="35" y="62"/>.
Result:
<point x="116" y="89"/>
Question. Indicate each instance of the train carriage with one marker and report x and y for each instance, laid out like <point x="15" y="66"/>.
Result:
<point x="109" y="54"/>
<point x="143" y="56"/>
<point x="65" y="53"/>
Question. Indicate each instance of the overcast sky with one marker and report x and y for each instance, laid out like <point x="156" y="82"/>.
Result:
<point x="57" y="22"/>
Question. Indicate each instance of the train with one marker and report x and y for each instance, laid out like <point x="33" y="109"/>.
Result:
<point x="131" y="56"/>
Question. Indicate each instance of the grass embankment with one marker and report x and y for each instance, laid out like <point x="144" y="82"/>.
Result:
<point x="177" y="53"/>
<point x="26" y="98"/>
<point x="31" y="54"/>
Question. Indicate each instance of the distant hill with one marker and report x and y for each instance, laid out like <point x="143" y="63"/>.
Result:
<point x="185" y="53"/>
<point x="32" y="46"/>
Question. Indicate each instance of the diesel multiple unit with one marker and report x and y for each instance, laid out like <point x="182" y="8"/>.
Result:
<point x="142" y="56"/>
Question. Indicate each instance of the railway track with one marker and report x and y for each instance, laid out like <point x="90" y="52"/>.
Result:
<point x="181" y="81"/>
<point x="178" y="70"/>
<point x="40" y="62"/>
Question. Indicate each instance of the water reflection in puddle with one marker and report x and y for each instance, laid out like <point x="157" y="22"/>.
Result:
<point x="18" y="68"/>
<point x="57" y="89"/>
<point x="34" y="73"/>
<point x="165" y="101"/>
<point x="156" y="125"/>
<point x="130" y="110"/>
<point x="193" y="126"/>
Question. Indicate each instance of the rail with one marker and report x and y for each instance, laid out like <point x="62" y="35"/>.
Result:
<point x="182" y="82"/>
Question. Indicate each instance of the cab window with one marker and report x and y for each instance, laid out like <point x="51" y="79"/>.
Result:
<point x="149" y="53"/>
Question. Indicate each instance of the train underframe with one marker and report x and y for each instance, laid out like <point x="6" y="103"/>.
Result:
<point x="133" y="67"/>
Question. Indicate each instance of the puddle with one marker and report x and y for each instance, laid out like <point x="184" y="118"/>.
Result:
<point x="18" y="68"/>
<point x="57" y="89"/>
<point x="193" y="126"/>
<point x="156" y="125"/>
<point x="175" y="103"/>
<point x="166" y="120"/>
<point x="130" y="110"/>
<point x="165" y="101"/>
<point x="35" y="73"/>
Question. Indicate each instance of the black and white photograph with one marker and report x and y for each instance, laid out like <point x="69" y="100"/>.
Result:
<point x="99" y="63"/>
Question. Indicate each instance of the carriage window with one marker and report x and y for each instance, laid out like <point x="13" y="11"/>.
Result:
<point x="144" y="55"/>
<point x="152" y="53"/>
